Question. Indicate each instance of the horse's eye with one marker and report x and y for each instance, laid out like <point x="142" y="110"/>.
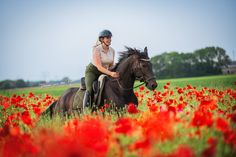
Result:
<point x="144" y="65"/>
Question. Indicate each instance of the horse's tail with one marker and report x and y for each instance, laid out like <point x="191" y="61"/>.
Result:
<point x="50" y="109"/>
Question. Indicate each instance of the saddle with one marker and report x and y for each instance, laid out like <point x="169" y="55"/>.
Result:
<point x="98" y="86"/>
<point x="79" y="95"/>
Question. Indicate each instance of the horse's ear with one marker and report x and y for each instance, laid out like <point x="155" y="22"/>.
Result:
<point x="145" y="51"/>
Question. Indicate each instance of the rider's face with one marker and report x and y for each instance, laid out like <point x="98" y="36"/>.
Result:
<point x="107" y="40"/>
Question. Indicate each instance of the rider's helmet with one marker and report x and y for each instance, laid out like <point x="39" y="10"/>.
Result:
<point x="105" y="33"/>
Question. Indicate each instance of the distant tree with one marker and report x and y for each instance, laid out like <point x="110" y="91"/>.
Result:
<point x="20" y="83"/>
<point x="66" y="80"/>
<point x="210" y="60"/>
<point x="188" y="61"/>
<point x="206" y="61"/>
<point x="7" y="84"/>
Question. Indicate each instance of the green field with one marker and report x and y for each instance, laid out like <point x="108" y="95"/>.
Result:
<point x="218" y="82"/>
<point x="194" y="122"/>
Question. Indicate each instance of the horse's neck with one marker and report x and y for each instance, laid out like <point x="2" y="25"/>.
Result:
<point x="126" y="77"/>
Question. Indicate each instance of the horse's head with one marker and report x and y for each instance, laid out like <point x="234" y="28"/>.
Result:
<point x="142" y="69"/>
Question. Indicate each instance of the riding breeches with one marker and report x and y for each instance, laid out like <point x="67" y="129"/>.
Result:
<point x="91" y="74"/>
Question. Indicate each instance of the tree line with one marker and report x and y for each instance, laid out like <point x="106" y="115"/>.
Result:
<point x="202" y="62"/>
<point x="20" y="83"/>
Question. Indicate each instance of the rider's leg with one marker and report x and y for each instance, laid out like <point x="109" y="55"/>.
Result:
<point x="89" y="78"/>
<point x="91" y="74"/>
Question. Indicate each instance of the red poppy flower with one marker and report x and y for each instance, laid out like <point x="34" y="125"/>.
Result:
<point x="209" y="152"/>
<point x="92" y="133"/>
<point x="222" y="124"/>
<point x="144" y="144"/>
<point x="106" y="105"/>
<point x="37" y="111"/>
<point x="202" y="118"/>
<point x="164" y="123"/>
<point x="132" y="109"/>
<point x="233" y="117"/>
<point x="181" y="106"/>
<point x="124" y="126"/>
<point x="15" y="131"/>
<point x="172" y="109"/>
<point x="189" y="86"/>
<point x="102" y="110"/>
<point x="165" y="87"/>
<point x="208" y="105"/>
<point x="181" y="98"/>
<point x="230" y="137"/>
<point x="31" y="95"/>
<point x="141" y="88"/>
<point x="212" y="141"/>
<point x="153" y="108"/>
<point x="5" y="105"/>
<point x="25" y="116"/>
<point x="234" y="107"/>
<point x="180" y="91"/>
<point x="184" y="151"/>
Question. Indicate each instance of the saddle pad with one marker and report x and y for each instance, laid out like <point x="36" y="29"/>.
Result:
<point x="101" y="82"/>
<point x="78" y="99"/>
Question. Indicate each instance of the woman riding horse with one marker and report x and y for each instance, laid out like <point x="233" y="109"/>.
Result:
<point x="132" y="65"/>
<point x="102" y="60"/>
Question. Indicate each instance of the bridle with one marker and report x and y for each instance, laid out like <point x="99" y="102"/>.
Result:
<point x="123" y="88"/>
<point x="141" y="78"/>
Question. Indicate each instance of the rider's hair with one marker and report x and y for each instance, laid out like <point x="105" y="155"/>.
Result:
<point x="98" y="42"/>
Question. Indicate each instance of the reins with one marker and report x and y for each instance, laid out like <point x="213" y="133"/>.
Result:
<point x="128" y="88"/>
<point x="123" y="88"/>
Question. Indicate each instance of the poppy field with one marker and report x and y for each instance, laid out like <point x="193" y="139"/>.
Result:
<point x="182" y="117"/>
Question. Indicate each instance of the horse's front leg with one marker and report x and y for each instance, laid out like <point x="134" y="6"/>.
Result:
<point x="133" y="99"/>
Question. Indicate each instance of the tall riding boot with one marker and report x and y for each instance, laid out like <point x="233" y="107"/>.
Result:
<point x="87" y="100"/>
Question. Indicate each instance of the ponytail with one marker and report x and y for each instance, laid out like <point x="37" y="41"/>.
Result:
<point x="98" y="42"/>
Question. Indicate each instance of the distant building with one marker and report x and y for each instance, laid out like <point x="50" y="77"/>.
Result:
<point x="231" y="69"/>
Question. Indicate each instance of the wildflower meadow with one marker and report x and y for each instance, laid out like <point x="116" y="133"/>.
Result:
<point x="182" y="118"/>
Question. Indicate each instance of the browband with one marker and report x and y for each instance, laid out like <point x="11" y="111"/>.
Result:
<point x="146" y="60"/>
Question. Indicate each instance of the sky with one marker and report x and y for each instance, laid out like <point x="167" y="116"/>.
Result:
<point x="49" y="40"/>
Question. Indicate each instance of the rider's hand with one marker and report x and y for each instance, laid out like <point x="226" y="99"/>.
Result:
<point x="114" y="74"/>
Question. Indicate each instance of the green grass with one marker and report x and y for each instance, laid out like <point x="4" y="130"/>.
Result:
<point x="218" y="82"/>
<point x="51" y="90"/>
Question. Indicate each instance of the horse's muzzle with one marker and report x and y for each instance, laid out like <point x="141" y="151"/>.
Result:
<point x="152" y="84"/>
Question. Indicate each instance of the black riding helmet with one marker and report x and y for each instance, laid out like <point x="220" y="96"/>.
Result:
<point x="105" y="33"/>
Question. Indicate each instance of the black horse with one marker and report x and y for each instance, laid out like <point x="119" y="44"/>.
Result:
<point x="132" y="65"/>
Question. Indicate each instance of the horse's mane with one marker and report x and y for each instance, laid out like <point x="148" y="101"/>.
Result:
<point x="127" y="53"/>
